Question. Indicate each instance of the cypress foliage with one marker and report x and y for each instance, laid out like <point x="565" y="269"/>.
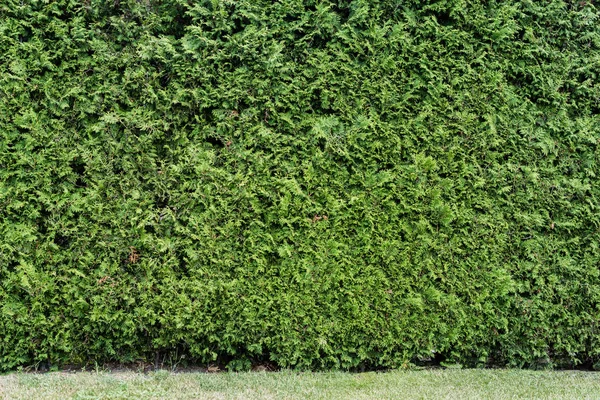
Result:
<point x="314" y="183"/>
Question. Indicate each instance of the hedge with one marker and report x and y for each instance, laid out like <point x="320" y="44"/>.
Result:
<point x="315" y="184"/>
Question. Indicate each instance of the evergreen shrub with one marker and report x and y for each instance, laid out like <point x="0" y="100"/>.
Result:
<point x="311" y="183"/>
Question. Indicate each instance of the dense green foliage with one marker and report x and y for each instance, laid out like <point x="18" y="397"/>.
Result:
<point x="319" y="184"/>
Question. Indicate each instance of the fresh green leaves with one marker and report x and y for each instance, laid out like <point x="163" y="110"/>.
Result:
<point x="318" y="184"/>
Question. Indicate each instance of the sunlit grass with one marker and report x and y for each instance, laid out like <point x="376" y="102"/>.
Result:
<point x="426" y="384"/>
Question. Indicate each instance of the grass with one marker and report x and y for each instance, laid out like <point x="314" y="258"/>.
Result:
<point x="426" y="384"/>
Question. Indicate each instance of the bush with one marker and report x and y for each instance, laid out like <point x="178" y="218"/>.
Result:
<point x="317" y="184"/>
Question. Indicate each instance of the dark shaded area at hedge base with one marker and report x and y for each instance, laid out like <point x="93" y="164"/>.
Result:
<point x="314" y="184"/>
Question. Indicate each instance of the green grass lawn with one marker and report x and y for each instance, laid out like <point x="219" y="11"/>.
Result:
<point x="425" y="384"/>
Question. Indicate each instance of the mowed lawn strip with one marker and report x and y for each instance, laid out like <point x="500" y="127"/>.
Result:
<point x="424" y="384"/>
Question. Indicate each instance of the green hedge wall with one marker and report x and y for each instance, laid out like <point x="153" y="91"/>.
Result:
<point x="311" y="183"/>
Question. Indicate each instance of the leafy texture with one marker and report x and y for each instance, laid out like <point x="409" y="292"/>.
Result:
<point x="318" y="184"/>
